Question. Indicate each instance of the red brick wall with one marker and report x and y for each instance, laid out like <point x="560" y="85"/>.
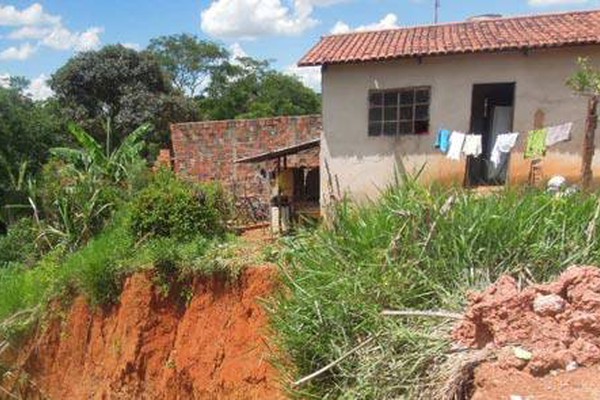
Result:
<point x="205" y="151"/>
<point x="163" y="159"/>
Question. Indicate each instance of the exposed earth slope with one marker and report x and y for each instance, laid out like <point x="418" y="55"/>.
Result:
<point x="156" y="347"/>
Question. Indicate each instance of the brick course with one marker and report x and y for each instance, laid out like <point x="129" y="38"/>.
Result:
<point x="205" y="151"/>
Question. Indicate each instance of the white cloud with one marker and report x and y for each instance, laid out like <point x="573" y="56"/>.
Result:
<point x="237" y="51"/>
<point x="60" y="38"/>
<point x="132" y="46"/>
<point x="310" y="76"/>
<point x="88" y="40"/>
<point x="32" y="15"/>
<point x="322" y="3"/>
<point x="20" y="53"/>
<point x="340" y="27"/>
<point x="390" y="21"/>
<point x="544" y="3"/>
<point x="29" y="32"/>
<point x="249" y="19"/>
<point x="39" y="89"/>
<point x="33" y="23"/>
<point x="4" y="81"/>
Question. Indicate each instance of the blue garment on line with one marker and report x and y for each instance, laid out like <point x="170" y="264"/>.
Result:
<point x="443" y="140"/>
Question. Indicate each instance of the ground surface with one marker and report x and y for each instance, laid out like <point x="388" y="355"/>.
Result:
<point x="155" y="347"/>
<point x="494" y="383"/>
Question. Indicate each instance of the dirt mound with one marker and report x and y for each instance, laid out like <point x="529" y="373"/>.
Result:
<point x="558" y="323"/>
<point x="530" y="333"/>
<point x="155" y="347"/>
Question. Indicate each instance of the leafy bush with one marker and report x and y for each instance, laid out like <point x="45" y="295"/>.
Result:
<point x="408" y="251"/>
<point x="19" y="244"/>
<point x="170" y="207"/>
<point x="173" y="260"/>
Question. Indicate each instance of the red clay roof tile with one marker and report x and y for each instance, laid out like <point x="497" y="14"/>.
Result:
<point x="517" y="33"/>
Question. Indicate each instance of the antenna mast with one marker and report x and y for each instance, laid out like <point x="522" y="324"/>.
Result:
<point x="436" y="12"/>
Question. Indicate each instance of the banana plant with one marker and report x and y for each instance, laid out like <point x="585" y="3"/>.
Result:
<point x="83" y="201"/>
<point x="22" y="188"/>
<point x="93" y="158"/>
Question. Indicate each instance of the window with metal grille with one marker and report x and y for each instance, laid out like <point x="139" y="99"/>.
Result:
<point x="399" y="111"/>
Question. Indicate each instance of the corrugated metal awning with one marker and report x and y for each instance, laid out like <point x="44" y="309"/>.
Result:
<point x="285" y="151"/>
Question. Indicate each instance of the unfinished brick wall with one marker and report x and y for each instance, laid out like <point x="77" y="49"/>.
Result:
<point x="205" y="151"/>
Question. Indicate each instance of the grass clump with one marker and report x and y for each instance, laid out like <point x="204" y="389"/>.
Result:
<point x="99" y="268"/>
<point x="19" y="244"/>
<point x="414" y="249"/>
<point x="21" y="288"/>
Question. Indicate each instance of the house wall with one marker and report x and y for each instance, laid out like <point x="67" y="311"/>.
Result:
<point x="205" y="151"/>
<point x="364" y="165"/>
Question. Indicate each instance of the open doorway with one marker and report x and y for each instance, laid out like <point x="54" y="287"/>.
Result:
<point x="492" y="112"/>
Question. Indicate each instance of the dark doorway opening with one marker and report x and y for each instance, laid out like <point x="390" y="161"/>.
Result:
<point x="492" y="112"/>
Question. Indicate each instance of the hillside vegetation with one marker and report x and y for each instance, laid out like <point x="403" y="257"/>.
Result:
<point x="98" y="217"/>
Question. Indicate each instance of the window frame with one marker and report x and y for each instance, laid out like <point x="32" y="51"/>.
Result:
<point x="382" y="108"/>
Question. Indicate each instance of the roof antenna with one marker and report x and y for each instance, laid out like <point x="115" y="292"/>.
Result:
<point x="436" y="12"/>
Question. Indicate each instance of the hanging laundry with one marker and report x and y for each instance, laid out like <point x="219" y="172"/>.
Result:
<point x="504" y="144"/>
<point x="472" y="146"/>
<point x="536" y="143"/>
<point x="457" y="139"/>
<point x="558" y="134"/>
<point x="443" y="140"/>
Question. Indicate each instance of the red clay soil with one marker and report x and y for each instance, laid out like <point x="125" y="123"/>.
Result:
<point x="557" y="323"/>
<point x="154" y="347"/>
<point x="495" y="383"/>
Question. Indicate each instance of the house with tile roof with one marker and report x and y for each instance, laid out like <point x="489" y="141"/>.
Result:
<point x="387" y="93"/>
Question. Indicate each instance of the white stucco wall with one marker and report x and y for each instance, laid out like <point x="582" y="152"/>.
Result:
<point x="362" y="165"/>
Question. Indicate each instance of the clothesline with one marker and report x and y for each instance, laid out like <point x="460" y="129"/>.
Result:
<point x="455" y="143"/>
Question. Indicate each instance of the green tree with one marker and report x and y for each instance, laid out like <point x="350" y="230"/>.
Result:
<point x="249" y="88"/>
<point x="586" y="82"/>
<point x="119" y="86"/>
<point x="188" y="61"/>
<point x="28" y="130"/>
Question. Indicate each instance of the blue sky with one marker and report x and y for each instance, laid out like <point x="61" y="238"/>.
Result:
<point x="37" y="37"/>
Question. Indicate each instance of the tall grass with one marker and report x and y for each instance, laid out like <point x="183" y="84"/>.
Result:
<point x="413" y="250"/>
<point x="96" y="270"/>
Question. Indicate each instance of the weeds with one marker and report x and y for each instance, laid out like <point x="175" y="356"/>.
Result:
<point x="98" y="269"/>
<point x="414" y="250"/>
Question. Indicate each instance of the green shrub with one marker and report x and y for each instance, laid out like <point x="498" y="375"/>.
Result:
<point x="405" y="252"/>
<point x="19" y="244"/>
<point x="170" y="207"/>
<point x="218" y="200"/>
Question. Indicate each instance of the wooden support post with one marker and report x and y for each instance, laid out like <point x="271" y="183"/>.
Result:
<point x="279" y="194"/>
<point x="536" y="168"/>
<point x="589" y="145"/>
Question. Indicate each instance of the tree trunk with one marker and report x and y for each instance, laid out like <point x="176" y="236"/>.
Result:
<point x="589" y="145"/>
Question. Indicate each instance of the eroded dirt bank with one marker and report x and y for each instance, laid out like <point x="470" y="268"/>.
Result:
<point x="542" y="342"/>
<point x="155" y="347"/>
